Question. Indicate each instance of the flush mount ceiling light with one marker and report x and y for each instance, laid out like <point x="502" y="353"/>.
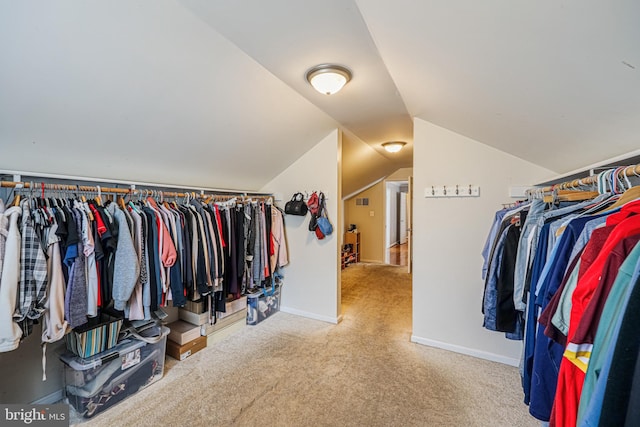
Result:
<point x="394" y="146"/>
<point x="328" y="78"/>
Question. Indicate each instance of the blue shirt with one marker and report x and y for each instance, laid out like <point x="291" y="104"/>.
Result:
<point x="548" y="353"/>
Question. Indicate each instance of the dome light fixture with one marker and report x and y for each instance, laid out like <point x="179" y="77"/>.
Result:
<point x="328" y="78"/>
<point x="393" y="146"/>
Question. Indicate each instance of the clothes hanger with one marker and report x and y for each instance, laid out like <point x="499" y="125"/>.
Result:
<point x="576" y="195"/>
<point x="629" y="195"/>
<point x="16" y="200"/>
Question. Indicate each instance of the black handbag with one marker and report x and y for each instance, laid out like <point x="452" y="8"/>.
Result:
<point x="296" y="206"/>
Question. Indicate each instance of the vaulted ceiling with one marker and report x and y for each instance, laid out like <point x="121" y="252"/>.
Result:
<point x="194" y="91"/>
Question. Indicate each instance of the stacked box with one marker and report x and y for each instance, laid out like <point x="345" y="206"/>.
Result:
<point x="233" y="307"/>
<point x="182" y="332"/>
<point x="195" y="306"/>
<point x="181" y="352"/>
<point x="263" y="304"/>
<point x="194" y="318"/>
<point x="208" y="329"/>
<point x="97" y="383"/>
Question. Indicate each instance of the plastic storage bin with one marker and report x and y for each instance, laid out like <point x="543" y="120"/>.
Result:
<point x="95" y="384"/>
<point x="263" y="304"/>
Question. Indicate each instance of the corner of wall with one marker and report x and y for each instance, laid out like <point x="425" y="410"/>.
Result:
<point x="449" y="234"/>
<point x="312" y="295"/>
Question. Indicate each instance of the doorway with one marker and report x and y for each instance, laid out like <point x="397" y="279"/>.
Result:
<point x="397" y="228"/>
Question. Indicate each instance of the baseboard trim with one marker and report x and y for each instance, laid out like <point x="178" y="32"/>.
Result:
<point x="466" y="350"/>
<point x="334" y="320"/>
<point x="50" y="399"/>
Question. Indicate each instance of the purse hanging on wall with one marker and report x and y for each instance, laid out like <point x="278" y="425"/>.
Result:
<point x="322" y="221"/>
<point x="296" y="206"/>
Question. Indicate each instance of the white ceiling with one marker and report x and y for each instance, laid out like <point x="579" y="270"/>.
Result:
<point x="192" y="91"/>
<point x="141" y="90"/>
<point x="554" y="82"/>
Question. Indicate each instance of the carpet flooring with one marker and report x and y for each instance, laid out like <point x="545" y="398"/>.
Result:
<point x="294" y="371"/>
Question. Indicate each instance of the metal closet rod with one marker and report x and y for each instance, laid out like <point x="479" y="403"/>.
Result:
<point x="111" y="190"/>
<point x="17" y="178"/>
<point x="631" y="170"/>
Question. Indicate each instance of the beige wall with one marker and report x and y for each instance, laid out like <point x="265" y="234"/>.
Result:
<point x="449" y="234"/>
<point x="371" y="227"/>
<point x="361" y="165"/>
<point x="402" y="174"/>
<point x="314" y="295"/>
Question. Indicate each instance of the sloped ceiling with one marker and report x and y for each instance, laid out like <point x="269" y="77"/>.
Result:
<point x="194" y="91"/>
<point x="142" y="90"/>
<point x="553" y="82"/>
<point x="361" y="165"/>
<point x="289" y="37"/>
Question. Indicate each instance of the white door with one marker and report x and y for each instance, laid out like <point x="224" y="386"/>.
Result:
<point x="410" y="226"/>
<point x="403" y="218"/>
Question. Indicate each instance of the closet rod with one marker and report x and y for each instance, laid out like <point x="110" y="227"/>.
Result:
<point x="129" y="183"/>
<point x="631" y="170"/>
<point x="108" y="190"/>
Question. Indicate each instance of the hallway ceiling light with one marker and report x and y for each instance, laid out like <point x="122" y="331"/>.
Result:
<point x="328" y="78"/>
<point x="394" y="146"/>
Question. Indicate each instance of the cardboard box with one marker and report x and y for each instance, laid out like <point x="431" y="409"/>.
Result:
<point x="182" y="332"/>
<point x="172" y="314"/>
<point x="233" y="307"/>
<point x="194" y="318"/>
<point x="227" y="331"/>
<point x="181" y="352"/>
<point x="263" y="304"/>
<point x="195" y="306"/>
<point x="208" y="329"/>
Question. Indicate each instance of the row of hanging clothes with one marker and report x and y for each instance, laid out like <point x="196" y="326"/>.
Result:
<point x="561" y="273"/>
<point x="66" y="258"/>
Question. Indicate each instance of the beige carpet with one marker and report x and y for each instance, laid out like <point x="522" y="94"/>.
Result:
<point x="293" y="371"/>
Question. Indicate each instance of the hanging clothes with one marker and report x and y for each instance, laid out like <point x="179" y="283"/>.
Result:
<point x="10" y="332"/>
<point x="65" y="262"/>
<point x="576" y="265"/>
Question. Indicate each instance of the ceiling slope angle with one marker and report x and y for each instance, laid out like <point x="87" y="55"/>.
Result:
<point x="554" y="83"/>
<point x="288" y="39"/>
<point x="150" y="93"/>
<point x="361" y="165"/>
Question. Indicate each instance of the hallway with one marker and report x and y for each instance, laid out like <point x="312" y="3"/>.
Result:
<point x="399" y="254"/>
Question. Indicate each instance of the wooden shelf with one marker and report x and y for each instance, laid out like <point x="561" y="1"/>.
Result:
<point x="352" y="239"/>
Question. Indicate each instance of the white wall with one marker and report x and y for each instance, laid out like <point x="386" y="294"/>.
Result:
<point x="449" y="235"/>
<point x="312" y="278"/>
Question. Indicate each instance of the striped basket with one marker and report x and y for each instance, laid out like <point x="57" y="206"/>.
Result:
<point x="87" y="341"/>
